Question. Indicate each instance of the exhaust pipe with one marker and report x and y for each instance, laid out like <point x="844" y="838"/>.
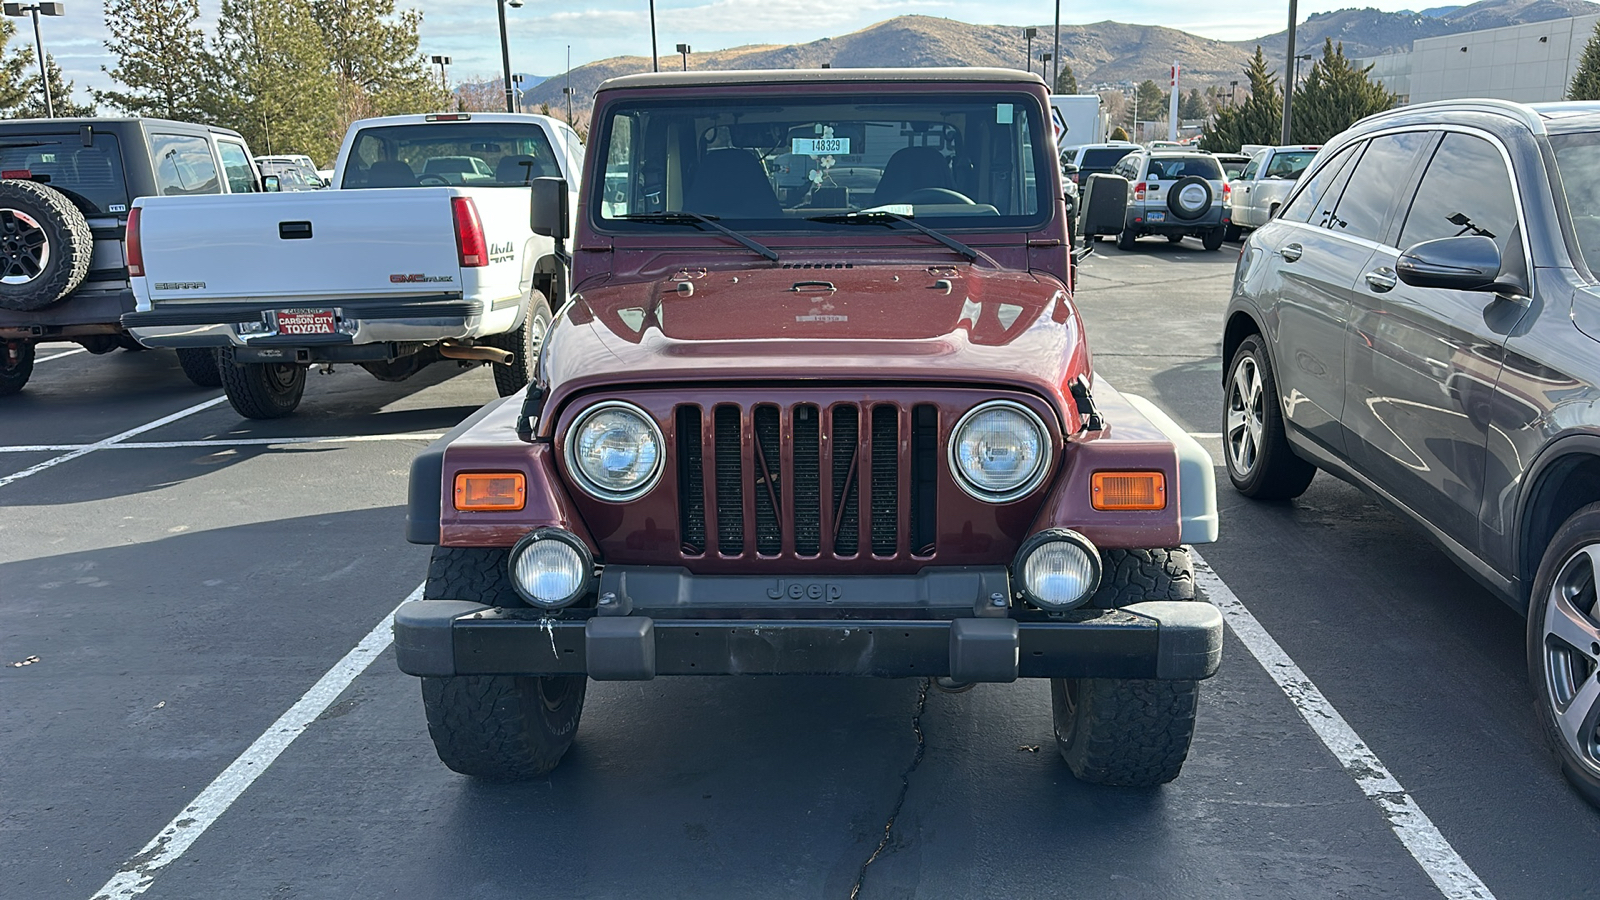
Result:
<point x="456" y="350"/>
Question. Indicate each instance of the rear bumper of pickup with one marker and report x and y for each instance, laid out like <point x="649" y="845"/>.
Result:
<point x="429" y="318"/>
<point x="1167" y="640"/>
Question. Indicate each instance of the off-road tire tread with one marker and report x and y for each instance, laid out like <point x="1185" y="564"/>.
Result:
<point x="493" y="726"/>
<point x="473" y="574"/>
<point x="1279" y="473"/>
<point x="75" y="245"/>
<point x="1130" y="732"/>
<point x="13" y="378"/>
<point x="249" y="396"/>
<point x="199" y="365"/>
<point x="1129" y="576"/>
<point x="513" y="378"/>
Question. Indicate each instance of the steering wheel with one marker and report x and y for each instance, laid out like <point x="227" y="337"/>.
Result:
<point x="933" y="196"/>
<point x="436" y="179"/>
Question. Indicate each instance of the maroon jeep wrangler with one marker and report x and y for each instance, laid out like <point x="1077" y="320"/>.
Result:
<point x="820" y="404"/>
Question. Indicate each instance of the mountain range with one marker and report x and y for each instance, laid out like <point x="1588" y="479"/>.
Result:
<point x="1103" y="52"/>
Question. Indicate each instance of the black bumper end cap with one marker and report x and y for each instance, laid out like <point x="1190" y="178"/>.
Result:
<point x="424" y="643"/>
<point x="620" y="648"/>
<point x="1190" y="637"/>
<point x="986" y="650"/>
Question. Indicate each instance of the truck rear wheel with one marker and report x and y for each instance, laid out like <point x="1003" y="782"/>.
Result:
<point x="45" y="246"/>
<point x="16" y="366"/>
<point x="524" y="343"/>
<point x="261" y="390"/>
<point x="1128" y="731"/>
<point x="199" y="364"/>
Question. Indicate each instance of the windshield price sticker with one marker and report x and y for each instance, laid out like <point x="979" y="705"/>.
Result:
<point x="824" y="146"/>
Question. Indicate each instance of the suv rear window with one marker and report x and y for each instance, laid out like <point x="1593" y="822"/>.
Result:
<point x="90" y="176"/>
<point x="1104" y="157"/>
<point x="1171" y="168"/>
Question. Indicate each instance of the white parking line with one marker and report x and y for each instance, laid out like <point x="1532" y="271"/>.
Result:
<point x="1449" y="872"/>
<point x="139" y="872"/>
<point x="59" y="355"/>
<point x="229" y="442"/>
<point x="114" y="439"/>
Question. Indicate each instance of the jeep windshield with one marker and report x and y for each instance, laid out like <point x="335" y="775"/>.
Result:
<point x="474" y="154"/>
<point x="797" y="164"/>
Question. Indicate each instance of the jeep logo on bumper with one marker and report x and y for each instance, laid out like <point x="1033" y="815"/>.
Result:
<point x="813" y="590"/>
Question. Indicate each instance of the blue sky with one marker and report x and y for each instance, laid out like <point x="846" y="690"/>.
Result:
<point x="541" y="30"/>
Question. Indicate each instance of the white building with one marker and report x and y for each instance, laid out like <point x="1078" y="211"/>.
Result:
<point x="1525" y="63"/>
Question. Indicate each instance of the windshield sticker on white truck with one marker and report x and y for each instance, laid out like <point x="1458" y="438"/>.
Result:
<point x="402" y="278"/>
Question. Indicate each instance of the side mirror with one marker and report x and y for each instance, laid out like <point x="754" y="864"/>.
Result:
<point x="270" y="184"/>
<point x="1069" y="168"/>
<point x="549" y="215"/>
<point x="1104" y="202"/>
<point x="1465" y="263"/>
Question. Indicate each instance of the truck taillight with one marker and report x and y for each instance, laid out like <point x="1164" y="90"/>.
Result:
<point x="135" y="253"/>
<point x="1138" y="191"/>
<point x="469" y="233"/>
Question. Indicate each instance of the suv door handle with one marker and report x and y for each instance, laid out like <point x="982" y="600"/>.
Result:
<point x="1291" y="252"/>
<point x="1381" y="280"/>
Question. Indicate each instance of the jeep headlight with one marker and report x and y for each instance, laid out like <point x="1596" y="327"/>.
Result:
<point x="999" y="451"/>
<point x="615" y="450"/>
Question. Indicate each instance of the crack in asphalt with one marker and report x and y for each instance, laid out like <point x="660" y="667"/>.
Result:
<point x="905" y="786"/>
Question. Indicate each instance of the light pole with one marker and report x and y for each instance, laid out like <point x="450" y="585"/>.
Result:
<point x="1055" y="77"/>
<point x="1233" y="93"/>
<point x="36" y="9"/>
<point x="505" y="51"/>
<point x="1044" y="65"/>
<point x="1298" y="57"/>
<point x="1030" y="33"/>
<point x="655" y="58"/>
<point x="684" y="49"/>
<point x="1288" y="96"/>
<point x="517" y="80"/>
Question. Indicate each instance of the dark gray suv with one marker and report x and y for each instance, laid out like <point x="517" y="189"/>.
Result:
<point x="1423" y="320"/>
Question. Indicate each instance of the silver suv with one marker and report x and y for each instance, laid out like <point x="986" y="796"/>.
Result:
<point x="1173" y="193"/>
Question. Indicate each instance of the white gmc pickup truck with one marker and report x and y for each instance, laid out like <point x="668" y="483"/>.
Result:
<point x="423" y="253"/>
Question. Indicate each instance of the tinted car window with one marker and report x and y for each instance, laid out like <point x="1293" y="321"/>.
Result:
<point x="1466" y="190"/>
<point x="1103" y="158"/>
<point x="1578" y="162"/>
<point x="90" y="176"/>
<point x="1171" y="168"/>
<point x="1306" y="204"/>
<point x="1289" y="164"/>
<point x="184" y="165"/>
<point x="1250" y="170"/>
<point x="236" y="164"/>
<point x="482" y="154"/>
<point x="1371" y="188"/>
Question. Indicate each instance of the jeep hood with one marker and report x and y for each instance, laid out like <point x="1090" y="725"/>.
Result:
<point x="864" y="323"/>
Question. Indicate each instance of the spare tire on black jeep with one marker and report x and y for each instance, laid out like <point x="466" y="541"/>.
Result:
<point x="45" y="246"/>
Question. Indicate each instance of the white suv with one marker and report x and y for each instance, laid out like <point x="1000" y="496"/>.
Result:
<point x="1173" y="193"/>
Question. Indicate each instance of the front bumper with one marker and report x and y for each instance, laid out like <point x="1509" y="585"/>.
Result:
<point x="364" y="322"/>
<point x="1168" y="640"/>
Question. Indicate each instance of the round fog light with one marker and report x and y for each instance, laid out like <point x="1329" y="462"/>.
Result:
<point x="1058" y="569"/>
<point x="550" y="568"/>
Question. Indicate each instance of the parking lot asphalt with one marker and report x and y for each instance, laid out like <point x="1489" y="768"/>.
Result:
<point x="183" y="588"/>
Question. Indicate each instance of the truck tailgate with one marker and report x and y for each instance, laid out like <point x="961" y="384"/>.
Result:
<point x="309" y="245"/>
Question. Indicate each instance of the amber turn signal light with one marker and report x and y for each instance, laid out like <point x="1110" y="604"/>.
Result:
<point x="1129" y="490"/>
<point x="505" y="491"/>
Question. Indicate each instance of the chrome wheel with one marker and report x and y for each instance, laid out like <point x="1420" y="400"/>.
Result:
<point x="1571" y="648"/>
<point x="24" y="247"/>
<point x="1245" y="422"/>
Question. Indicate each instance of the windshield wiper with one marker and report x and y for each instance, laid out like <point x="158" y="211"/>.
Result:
<point x="884" y="217"/>
<point x="690" y="218"/>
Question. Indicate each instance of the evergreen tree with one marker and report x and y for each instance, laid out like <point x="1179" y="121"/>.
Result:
<point x="161" y="60"/>
<point x="273" y="68"/>
<point x="1259" y="120"/>
<point x="14" y="69"/>
<point x="1152" y="101"/>
<point x="1193" y="106"/>
<point x="1066" y="82"/>
<point x="1334" y="96"/>
<point x="1586" y="80"/>
<point x="32" y="106"/>
<point x="376" y="53"/>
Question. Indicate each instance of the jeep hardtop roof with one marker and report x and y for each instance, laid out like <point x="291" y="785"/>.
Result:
<point x="70" y="124"/>
<point x="819" y="76"/>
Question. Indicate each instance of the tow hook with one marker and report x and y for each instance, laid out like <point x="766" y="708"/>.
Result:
<point x="458" y="350"/>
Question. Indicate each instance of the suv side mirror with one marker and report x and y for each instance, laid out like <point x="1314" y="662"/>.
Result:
<point x="270" y="184"/>
<point x="548" y="214"/>
<point x="1467" y="262"/>
<point x="1069" y="168"/>
<point x="1104" y="204"/>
